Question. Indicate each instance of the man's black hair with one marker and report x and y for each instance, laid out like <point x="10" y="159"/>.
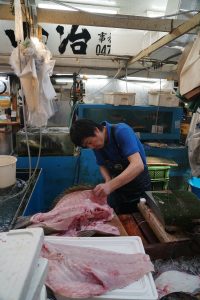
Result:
<point x="82" y="129"/>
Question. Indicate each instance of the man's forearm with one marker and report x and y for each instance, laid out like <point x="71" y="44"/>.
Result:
<point x="105" y="173"/>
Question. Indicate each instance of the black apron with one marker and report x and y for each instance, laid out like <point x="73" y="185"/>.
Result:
<point x="126" y="198"/>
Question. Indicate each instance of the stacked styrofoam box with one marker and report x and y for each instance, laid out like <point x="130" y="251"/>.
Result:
<point x="142" y="289"/>
<point x="162" y="98"/>
<point x="23" y="271"/>
<point x="119" y="98"/>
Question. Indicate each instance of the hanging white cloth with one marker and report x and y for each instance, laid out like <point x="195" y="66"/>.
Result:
<point x="30" y="84"/>
<point x="32" y="62"/>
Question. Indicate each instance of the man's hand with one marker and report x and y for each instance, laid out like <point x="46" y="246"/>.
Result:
<point x="102" y="189"/>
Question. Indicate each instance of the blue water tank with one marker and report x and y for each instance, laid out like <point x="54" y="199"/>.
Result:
<point x="195" y="185"/>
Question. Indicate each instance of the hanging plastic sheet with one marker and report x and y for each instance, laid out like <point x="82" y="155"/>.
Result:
<point x="32" y="62"/>
<point x="193" y="142"/>
<point x="189" y="75"/>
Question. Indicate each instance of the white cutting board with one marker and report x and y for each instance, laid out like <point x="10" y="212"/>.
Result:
<point x="143" y="289"/>
<point x="19" y="253"/>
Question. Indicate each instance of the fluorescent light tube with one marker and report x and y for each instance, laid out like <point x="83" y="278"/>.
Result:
<point x="55" y="6"/>
<point x="94" y="2"/>
<point x="141" y="79"/>
<point x="63" y="74"/>
<point x="63" y="80"/>
<point x="100" y="10"/>
<point x="76" y="8"/>
<point x="94" y="76"/>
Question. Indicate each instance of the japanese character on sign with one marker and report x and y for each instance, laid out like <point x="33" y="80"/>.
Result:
<point x="102" y="48"/>
<point x="78" y="40"/>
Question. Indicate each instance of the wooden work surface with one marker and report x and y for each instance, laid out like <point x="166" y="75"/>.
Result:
<point x="160" y="161"/>
<point x="158" y="228"/>
<point x="156" y="249"/>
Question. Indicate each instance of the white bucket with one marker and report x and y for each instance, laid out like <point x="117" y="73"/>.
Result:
<point x="7" y="170"/>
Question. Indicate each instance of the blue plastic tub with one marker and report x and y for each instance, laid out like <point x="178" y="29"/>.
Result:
<point x="195" y="185"/>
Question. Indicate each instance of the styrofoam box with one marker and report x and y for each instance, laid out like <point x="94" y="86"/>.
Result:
<point x="143" y="289"/>
<point x="43" y="294"/>
<point x="119" y="98"/>
<point x="162" y="99"/>
<point x="19" y="259"/>
<point x="38" y="279"/>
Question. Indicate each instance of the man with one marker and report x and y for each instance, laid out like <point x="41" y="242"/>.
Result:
<point x="121" y="159"/>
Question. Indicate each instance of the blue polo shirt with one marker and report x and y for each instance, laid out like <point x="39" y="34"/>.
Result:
<point x="127" y="144"/>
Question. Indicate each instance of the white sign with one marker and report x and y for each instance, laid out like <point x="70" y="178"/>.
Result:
<point x="64" y="40"/>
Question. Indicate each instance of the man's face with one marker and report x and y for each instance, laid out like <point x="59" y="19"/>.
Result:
<point x="94" y="142"/>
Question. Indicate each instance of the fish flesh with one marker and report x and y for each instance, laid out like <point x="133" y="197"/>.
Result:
<point x="176" y="281"/>
<point x="82" y="272"/>
<point x="74" y="212"/>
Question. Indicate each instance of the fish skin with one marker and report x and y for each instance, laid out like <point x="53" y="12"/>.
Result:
<point x="23" y="222"/>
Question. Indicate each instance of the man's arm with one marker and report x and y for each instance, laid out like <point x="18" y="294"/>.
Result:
<point x="105" y="173"/>
<point x="134" y="168"/>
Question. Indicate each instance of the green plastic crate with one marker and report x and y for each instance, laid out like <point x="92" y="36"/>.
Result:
<point x="159" y="173"/>
<point x="159" y="185"/>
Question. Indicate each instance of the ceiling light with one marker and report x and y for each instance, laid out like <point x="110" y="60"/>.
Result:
<point x="63" y="80"/>
<point x="63" y="74"/>
<point x="76" y="8"/>
<point x="55" y="6"/>
<point x="92" y="2"/>
<point x="100" y="10"/>
<point x="154" y="14"/>
<point x="94" y="76"/>
<point x="141" y="79"/>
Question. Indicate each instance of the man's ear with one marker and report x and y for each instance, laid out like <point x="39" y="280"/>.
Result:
<point x="96" y="130"/>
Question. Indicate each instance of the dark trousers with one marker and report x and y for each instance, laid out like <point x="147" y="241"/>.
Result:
<point x="125" y="199"/>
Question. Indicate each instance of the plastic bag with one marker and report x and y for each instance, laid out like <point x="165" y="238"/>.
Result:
<point x="189" y="76"/>
<point x="32" y="63"/>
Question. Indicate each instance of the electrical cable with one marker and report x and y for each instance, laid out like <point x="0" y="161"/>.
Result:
<point x="111" y="79"/>
<point x="177" y="14"/>
<point x="77" y="168"/>
<point x="24" y="113"/>
<point x="126" y="78"/>
<point x="27" y="186"/>
<point x="31" y="176"/>
<point x="72" y="113"/>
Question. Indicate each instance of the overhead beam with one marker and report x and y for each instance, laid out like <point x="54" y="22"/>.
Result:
<point x="5" y="13"/>
<point x="88" y="19"/>
<point x="112" y="21"/>
<point x="174" y="34"/>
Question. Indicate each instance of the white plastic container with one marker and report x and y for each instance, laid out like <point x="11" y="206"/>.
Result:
<point x="7" y="170"/>
<point x="143" y="289"/>
<point x="37" y="281"/>
<point x="43" y="294"/>
<point x="22" y="271"/>
<point x="162" y="98"/>
<point x="119" y="98"/>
